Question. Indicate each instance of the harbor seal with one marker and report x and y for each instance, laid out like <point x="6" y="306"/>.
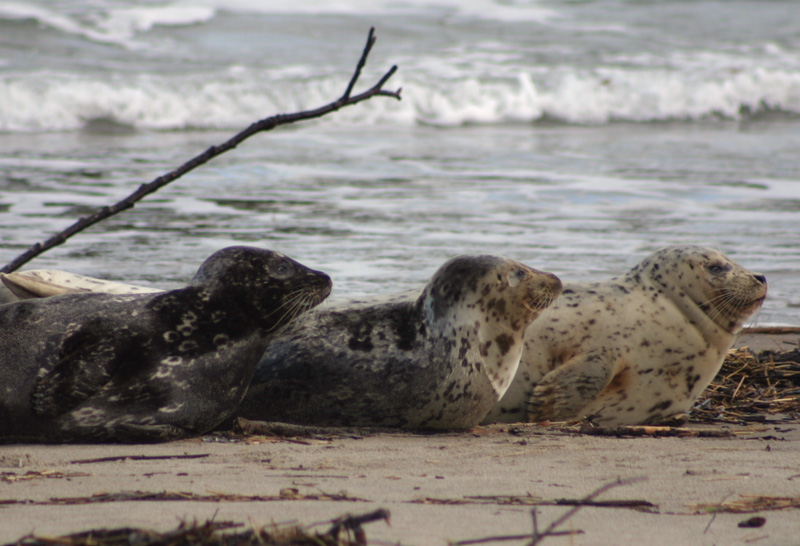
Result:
<point x="438" y="359"/>
<point x="92" y="367"/>
<point x="637" y="348"/>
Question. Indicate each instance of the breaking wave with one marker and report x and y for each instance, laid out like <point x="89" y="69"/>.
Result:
<point x="47" y="101"/>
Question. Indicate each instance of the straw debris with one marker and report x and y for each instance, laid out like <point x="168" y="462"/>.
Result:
<point x="344" y="531"/>
<point x="287" y="494"/>
<point x="746" y="504"/>
<point x="752" y="388"/>
<point x="12" y="477"/>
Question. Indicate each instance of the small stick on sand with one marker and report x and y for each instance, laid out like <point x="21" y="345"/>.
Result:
<point x="550" y="531"/>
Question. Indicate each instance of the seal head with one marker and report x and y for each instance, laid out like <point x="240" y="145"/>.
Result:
<point x="637" y="348"/>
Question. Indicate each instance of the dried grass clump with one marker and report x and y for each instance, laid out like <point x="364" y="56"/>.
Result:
<point x="344" y="531"/>
<point x="752" y="387"/>
<point x="747" y="504"/>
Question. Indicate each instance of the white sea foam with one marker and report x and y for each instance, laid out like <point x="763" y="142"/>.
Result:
<point x="119" y="22"/>
<point x="126" y="22"/>
<point x="483" y="9"/>
<point x="48" y="101"/>
<point x="53" y="19"/>
<point x="110" y="24"/>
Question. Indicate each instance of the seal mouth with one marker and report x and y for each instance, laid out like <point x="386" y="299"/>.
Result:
<point x="754" y="304"/>
<point x="539" y="304"/>
<point x="738" y="312"/>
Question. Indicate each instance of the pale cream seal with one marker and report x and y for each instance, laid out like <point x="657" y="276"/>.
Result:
<point x="637" y="348"/>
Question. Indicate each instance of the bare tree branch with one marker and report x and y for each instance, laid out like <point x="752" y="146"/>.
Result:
<point x="266" y="124"/>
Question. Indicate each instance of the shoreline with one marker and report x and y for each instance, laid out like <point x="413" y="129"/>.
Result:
<point x="438" y="487"/>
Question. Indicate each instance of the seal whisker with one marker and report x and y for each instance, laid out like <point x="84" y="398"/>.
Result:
<point x="295" y="307"/>
<point x="290" y="301"/>
<point x="728" y="304"/>
<point x="288" y="310"/>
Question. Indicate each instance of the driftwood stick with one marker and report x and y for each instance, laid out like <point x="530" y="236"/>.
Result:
<point x="265" y="124"/>
<point x="138" y="458"/>
<point x="772" y="330"/>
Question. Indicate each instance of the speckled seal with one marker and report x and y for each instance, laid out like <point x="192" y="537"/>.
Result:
<point x="636" y="349"/>
<point x="438" y="359"/>
<point x="44" y="283"/>
<point x="94" y="367"/>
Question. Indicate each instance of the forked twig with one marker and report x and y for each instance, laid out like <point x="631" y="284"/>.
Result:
<point x="536" y="537"/>
<point x="265" y="124"/>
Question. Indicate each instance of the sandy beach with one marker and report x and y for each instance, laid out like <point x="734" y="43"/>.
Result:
<point x="438" y="488"/>
<point x="577" y="137"/>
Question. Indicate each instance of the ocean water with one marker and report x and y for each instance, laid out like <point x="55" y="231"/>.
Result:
<point x="576" y="137"/>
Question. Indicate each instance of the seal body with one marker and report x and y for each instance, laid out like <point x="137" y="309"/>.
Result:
<point x="637" y="348"/>
<point x="438" y="359"/>
<point x="92" y="367"/>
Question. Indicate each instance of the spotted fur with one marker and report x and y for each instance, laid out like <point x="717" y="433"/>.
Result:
<point x="93" y="367"/>
<point x="438" y="359"/>
<point x="637" y="348"/>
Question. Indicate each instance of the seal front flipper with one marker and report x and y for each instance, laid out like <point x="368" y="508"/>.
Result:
<point x="565" y="391"/>
<point x="84" y="367"/>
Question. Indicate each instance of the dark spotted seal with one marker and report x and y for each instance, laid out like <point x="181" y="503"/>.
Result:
<point x="637" y="348"/>
<point x="437" y="360"/>
<point x="96" y="367"/>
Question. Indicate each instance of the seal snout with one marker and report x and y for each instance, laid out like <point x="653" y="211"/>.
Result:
<point x="762" y="281"/>
<point x="321" y="284"/>
<point x="542" y="291"/>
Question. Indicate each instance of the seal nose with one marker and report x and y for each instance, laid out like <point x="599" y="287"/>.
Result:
<point x="761" y="278"/>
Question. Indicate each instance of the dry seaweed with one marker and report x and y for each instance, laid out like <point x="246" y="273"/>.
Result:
<point x="746" y="504"/>
<point x="753" y="388"/>
<point x="649" y="431"/>
<point x="344" y="531"/>
<point x="12" y="477"/>
<point x="287" y="494"/>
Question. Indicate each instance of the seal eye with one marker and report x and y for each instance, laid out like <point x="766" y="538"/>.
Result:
<point x="514" y="277"/>
<point x="282" y="270"/>
<point x="718" y="269"/>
